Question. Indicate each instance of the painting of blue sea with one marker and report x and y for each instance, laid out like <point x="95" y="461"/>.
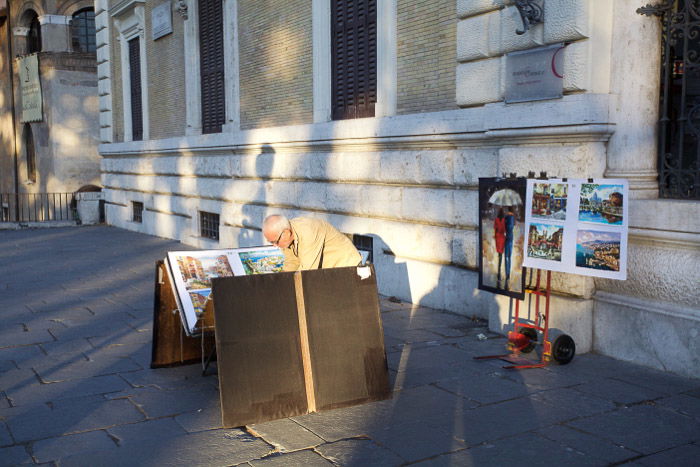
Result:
<point x="261" y="262"/>
<point x="598" y="250"/>
<point x="602" y="204"/>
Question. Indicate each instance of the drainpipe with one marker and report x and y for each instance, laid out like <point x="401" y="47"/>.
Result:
<point x="12" y="105"/>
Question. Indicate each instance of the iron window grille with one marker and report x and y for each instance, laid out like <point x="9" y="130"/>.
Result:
<point x="137" y="211"/>
<point x="209" y="225"/>
<point x="679" y="125"/>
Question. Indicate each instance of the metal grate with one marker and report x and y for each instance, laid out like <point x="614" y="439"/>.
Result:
<point x="209" y="225"/>
<point x="137" y="211"/>
<point x="679" y="126"/>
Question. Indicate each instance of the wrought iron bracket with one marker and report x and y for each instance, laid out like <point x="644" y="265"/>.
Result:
<point x="531" y="13"/>
<point x="182" y="8"/>
<point x="658" y="9"/>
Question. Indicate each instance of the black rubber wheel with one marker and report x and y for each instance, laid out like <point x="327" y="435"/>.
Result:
<point x="532" y="335"/>
<point x="563" y="349"/>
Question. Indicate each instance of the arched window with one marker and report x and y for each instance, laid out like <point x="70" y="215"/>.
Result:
<point x="31" y="154"/>
<point x="83" y="30"/>
<point x="34" y="35"/>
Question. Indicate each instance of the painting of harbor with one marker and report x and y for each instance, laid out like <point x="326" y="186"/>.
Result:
<point x="549" y="200"/>
<point x="602" y="204"/>
<point x="261" y="262"/>
<point x="598" y="250"/>
<point x="544" y="241"/>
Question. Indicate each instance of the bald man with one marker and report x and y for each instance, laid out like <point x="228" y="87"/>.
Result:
<point x="309" y="243"/>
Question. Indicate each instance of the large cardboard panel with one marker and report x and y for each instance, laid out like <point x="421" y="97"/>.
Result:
<point x="260" y="368"/>
<point x="171" y="346"/>
<point x="346" y="340"/>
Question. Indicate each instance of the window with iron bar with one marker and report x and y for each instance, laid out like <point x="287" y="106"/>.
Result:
<point x="137" y="211"/>
<point x="209" y="225"/>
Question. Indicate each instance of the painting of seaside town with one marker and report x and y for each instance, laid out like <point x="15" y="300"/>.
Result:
<point x="261" y="262"/>
<point x="549" y="200"/>
<point x="598" y="250"/>
<point x="544" y="241"/>
<point x="602" y="204"/>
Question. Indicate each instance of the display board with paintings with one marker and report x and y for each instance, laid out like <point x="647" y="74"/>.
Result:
<point x="192" y="271"/>
<point x="577" y="226"/>
<point x="501" y="235"/>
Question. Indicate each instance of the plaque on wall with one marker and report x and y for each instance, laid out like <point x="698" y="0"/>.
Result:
<point x="162" y="20"/>
<point x="535" y="74"/>
<point x="30" y="88"/>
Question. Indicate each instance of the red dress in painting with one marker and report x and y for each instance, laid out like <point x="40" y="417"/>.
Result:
<point x="499" y="229"/>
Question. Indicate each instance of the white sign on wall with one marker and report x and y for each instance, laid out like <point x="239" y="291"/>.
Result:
<point x="577" y="226"/>
<point x="161" y="20"/>
<point x="30" y="88"/>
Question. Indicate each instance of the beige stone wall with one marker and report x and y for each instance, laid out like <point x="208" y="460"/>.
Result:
<point x="275" y="62"/>
<point x="426" y="50"/>
<point x="117" y="102"/>
<point x="6" y="148"/>
<point x="166" y="79"/>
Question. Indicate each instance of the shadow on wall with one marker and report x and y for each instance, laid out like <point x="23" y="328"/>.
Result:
<point x="254" y="211"/>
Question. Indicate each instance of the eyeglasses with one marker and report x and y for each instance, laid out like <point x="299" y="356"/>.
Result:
<point x="276" y="242"/>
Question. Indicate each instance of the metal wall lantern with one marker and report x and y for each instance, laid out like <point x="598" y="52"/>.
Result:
<point x="531" y="13"/>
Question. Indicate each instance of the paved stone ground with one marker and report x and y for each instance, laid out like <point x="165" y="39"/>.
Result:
<point x="76" y="388"/>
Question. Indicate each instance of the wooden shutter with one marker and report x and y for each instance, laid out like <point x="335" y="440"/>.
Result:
<point x="135" y="78"/>
<point x="211" y="51"/>
<point x="354" y="58"/>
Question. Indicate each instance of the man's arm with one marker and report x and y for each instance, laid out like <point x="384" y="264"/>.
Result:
<point x="291" y="262"/>
<point x="311" y="242"/>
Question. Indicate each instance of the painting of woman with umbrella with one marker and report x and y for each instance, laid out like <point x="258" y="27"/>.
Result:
<point x="501" y="235"/>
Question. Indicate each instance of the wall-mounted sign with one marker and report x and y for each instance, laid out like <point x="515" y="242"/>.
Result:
<point x="30" y="88"/>
<point x="536" y="74"/>
<point x="161" y="20"/>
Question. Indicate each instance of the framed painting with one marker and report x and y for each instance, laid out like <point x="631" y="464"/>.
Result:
<point x="501" y="236"/>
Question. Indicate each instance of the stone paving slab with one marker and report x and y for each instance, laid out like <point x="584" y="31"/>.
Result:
<point x="81" y="443"/>
<point x="210" y="448"/>
<point x="87" y="323"/>
<point x="39" y="422"/>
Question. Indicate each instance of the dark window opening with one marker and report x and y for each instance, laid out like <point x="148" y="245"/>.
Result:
<point x="679" y="126"/>
<point x="34" y="34"/>
<point x="211" y="51"/>
<point x="209" y="225"/>
<point x="83" y="38"/>
<point x="365" y="245"/>
<point x="30" y="152"/>
<point x="135" y="78"/>
<point x="137" y="211"/>
<point x="353" y="58"/>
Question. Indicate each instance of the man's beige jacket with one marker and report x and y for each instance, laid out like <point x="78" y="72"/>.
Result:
<point x="317" y="244"/>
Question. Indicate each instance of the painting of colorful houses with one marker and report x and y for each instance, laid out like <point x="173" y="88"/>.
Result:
<point x="549" y="200"/>
<point x="598" y="250"/>
<point x="198" y="272"/>
<point x="602" y="204"/>
<point x="544" y="241"/>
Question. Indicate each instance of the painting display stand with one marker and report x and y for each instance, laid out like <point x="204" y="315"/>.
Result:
<point x="524" y="336"/>
<point x="171" y="345"/>
<point x="291" y="343"/>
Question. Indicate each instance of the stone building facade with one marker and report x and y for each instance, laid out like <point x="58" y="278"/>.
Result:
<point x="58" y="153"/>
<point x="407" y="174"/>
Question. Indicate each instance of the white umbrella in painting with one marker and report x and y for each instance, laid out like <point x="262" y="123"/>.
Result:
<point x="506" y="197"/>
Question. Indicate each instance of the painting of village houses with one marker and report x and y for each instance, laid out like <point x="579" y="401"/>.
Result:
<point x="601" y="204"/>
<point x="549" y="200"/>
<point x="502" y="236"/>
<point x="545" y="241"/>
<point x="197" y="272"/>
<point x="598" y="250"/>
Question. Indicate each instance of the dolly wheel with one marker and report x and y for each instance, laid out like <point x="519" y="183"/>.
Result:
<point x="532" y="335"/>
<point x="563" y="349"/>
